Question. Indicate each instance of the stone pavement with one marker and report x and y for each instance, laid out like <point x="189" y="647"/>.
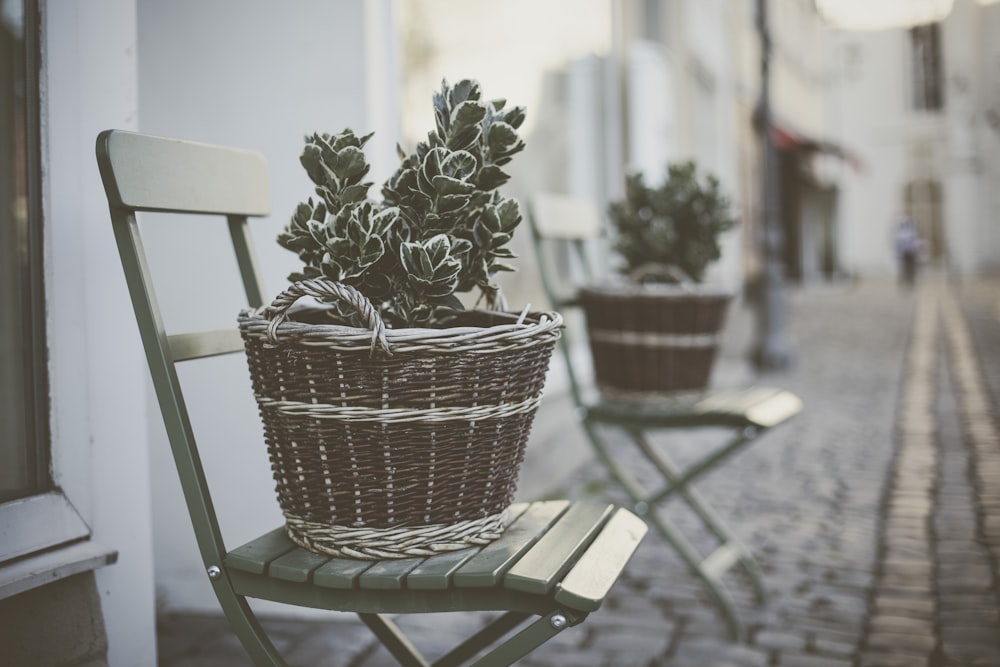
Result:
<point x="875" y="514"/>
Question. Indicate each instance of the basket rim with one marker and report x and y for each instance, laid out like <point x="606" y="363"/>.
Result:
<point x="656" y="290"/>
<point x="538" y="326"/>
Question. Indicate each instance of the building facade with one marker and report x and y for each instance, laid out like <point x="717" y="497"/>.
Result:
<point x="920" y="107"/>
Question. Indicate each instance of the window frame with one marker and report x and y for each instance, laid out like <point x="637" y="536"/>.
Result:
<point x="39" y="435"/>
<point x="44" y="538"/>
<point x="33" y="329"/>
<point x="927" y="72"/>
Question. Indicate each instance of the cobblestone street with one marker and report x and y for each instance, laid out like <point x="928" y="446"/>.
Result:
<point x="874" y="514"/>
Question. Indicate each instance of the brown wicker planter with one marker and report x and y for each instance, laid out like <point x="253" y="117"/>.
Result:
<point x="395" y="443"/>
<point x="653" y="340"/>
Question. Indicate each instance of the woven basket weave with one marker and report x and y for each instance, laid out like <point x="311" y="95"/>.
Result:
<point x="395" y="442"/>
<point x="653" y="341"/>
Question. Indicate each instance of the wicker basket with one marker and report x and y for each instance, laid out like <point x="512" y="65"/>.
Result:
<point x="395" y="442"/>
<point x="653" y="341"/>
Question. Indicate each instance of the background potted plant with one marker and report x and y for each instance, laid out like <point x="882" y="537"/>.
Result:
<point x="658" y="333"/>
<point x="396" y="419"/>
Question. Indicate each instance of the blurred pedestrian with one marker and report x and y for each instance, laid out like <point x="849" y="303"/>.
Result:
<point x="908" y="248"/>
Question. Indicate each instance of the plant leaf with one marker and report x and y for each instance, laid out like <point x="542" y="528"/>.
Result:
<point x="491" y="177"/>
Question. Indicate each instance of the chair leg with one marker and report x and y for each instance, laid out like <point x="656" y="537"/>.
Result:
<point x="511" y="650"/>
<point x="620" y="474"/>
<point x="485" y="637"/>
<point x="646" y="504"/>
<point x="247" y="627"/>
<point x="671" y="472"/>
<point x="401" y="648"/>
<point x="732" y="550"/>
<point x="527" y="640"/>
<point x="694" y="562"/>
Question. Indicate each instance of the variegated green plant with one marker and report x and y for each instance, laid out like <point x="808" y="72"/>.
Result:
<point x="672" y="225"/>
<point x="441" y="227"/>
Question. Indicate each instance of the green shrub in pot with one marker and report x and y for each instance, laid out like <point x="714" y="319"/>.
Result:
<point x="396" y="421"/>
<point x="676" y="223"/>
<point x="441" y="227"/>
<point x="658" y="334"/>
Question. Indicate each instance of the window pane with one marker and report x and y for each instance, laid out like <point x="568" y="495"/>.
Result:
<point x="20" y="441"/>
<point x="928" y="88"/>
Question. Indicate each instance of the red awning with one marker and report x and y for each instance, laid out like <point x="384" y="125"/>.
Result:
<point x="787" y="138"/>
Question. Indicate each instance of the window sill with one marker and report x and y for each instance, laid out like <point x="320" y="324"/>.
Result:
<point x="44" y="568"/>
<point x="43" y="539"/>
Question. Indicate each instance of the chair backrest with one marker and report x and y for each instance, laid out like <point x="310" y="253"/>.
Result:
<point x="146" y="173"/>
<point x="558" y="222"/>
<point x="565" y="230"/>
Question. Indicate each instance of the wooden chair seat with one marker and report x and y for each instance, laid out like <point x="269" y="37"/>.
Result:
<point x="553" y="554"/>
<point x="754" y="407"/>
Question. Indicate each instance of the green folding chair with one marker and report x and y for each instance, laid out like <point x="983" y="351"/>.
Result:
<point x="553" y="565"/>
<point x="566" y="230"/>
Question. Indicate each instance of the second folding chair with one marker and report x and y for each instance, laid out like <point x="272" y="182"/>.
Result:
<point x="566" y="231"/>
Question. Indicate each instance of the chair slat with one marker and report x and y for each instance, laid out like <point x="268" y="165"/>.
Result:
<point x="588" y="583"/>
<point x="256" y="555"/>
<point x="147" y="173"/>
<point x="552" y="556"/>
<point x="434" y="574"/>
<point x="775" y="409"/>
<point x="198" y="344"/>
<point x="761" y="406"/>
<point x="565" y="217"/>
<point x="388" y="575"/>
<point x="296" y="565"/>
<point x="340" y="573"/>
<point x="733" y="401"/>
<point x="758" y="406"/>
<point x="489" y="565"/>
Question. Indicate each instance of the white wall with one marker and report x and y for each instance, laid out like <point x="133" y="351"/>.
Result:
<point x="681" y="96"/>
<point x="797" y="64"/>
<point x="870" y="114"/>
<point x="988" y="136"/>
<point x="97" y="370"/>
<point x="652" y="101"/>
<point x="712" y="88"/>
<point x="963" y="37"/>
<point x="957" y="146"/>
<point x="257" y="75"/>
